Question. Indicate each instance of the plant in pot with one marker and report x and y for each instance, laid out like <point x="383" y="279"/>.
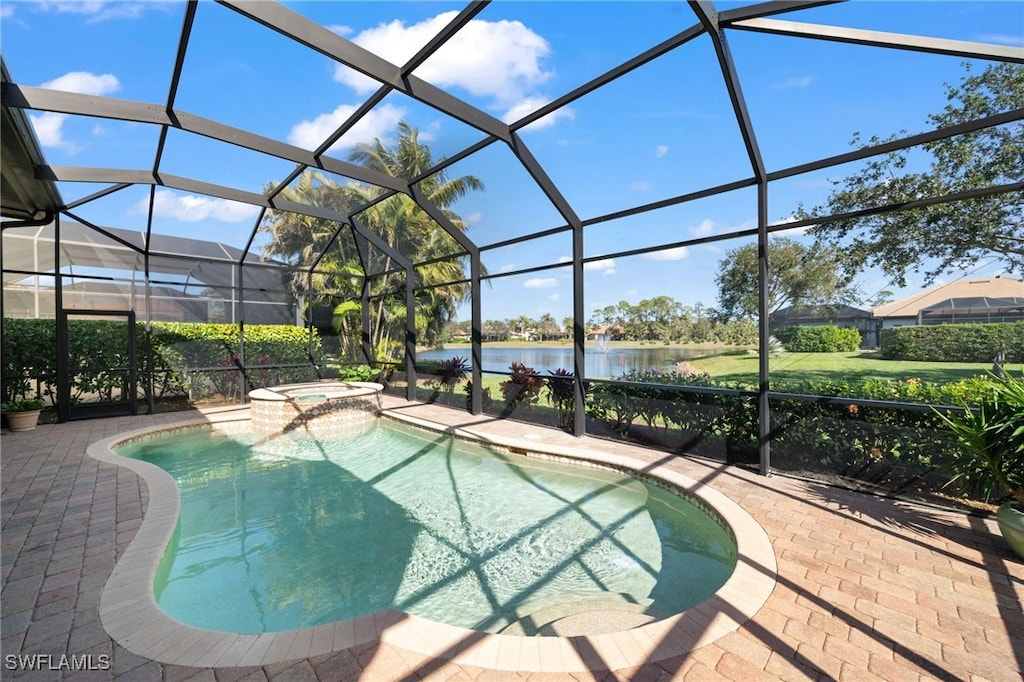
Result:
<point x="22" y="415"/>
<point x="991" y="456"/>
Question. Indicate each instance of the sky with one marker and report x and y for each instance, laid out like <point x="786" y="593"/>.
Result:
<point x="660" y="131"/>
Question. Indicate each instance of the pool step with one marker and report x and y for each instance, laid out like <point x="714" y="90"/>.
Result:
<point x="585" y="617"/>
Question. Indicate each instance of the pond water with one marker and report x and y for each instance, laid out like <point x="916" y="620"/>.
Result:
<point x="600" y="363"/>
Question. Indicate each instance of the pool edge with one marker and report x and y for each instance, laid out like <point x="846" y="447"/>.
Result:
<point x="130" y="615"/>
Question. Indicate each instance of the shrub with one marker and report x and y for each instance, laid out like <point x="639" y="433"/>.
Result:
<point x="561" y="391"/>
<point x="954" y="342"/>
<point x="359" y="373"/>
<point x="487" y="400"/>
<point x="819" y="339"/>
<point x="450" y="372"/>
<point x="523" y="387"/>
<point x="26" y="405"/>
<point x="177" y="357"/>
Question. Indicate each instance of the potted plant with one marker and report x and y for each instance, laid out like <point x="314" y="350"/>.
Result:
<point x="22" y="415"/>
<point x="991" y="457"/>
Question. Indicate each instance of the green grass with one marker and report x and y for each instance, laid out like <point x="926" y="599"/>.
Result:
<point x="856" y="366"/>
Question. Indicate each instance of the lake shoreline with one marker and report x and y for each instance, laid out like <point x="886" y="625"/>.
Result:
<point x="591" y="345"/>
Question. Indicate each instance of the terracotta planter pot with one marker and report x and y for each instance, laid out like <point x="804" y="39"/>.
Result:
<point x="1011" y="525"/>
<point x="23" y="421"/>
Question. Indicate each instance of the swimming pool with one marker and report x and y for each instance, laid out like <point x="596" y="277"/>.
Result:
<point x="291" y="531"/>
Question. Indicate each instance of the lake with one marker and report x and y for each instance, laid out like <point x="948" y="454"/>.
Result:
<point x="600" y="363"/>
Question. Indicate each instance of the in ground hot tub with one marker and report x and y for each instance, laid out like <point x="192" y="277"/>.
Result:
<point x="318" y="405"/>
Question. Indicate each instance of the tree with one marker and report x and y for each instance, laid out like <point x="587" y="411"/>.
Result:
<point x="400" y="222"/>
<point x="547" y="326"/>
<point x="948" y="236"/>
<point x="797" y="275"/>
<point x="413" y="233"/>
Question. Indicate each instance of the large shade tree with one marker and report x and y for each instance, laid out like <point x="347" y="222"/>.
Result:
<point x="798" y="275"/>
<point x="400" y="222"/>
<point x="946" y="236"/>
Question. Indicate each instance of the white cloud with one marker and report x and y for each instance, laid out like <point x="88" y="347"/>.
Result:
<point x="1015" y="39"/>
<point x="640" y="186"/>
<point x="540" y="283"/>
<point x="501" y="61"/>
<point x="678" y="253"/>
<point x="190" y="208"/>
<point x="792" y="83"/>
<point x="6" y="11"/>
<point x="796" y="230"/>
<point x="703" y="228"/>
<point x="49" y="130"/>
<point x="606" y="266"/>
<point x="508" y="267"/>
<point x="101" y="10"/>
<point x="380" y="122"/>
<point x="565" y="259"/>
<point x="661" y="150"/>
<point x="531" y="104"/>
<point x="707" y="227"/>
<point x="554" y="297"/>
<point x="49" y="126"/>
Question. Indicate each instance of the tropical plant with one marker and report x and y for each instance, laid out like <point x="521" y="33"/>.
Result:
<point x="991" y="436"/>
<point x="487" y="399"/>
<point x="523" y="386"/>
<point x="400" y="221"/>
<point x="24" y="405"/>
<point x="359" y="373"/>
<point x="406" y="226"/>
<point x="561" y="391"/>
<point x="449" y="372"/>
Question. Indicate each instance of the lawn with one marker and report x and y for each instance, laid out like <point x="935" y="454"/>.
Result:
<point x="857" y="366"/>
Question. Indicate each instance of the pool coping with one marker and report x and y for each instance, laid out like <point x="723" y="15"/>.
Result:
<point x="130" y="615"/>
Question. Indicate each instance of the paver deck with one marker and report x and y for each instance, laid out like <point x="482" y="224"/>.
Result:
<point x="867" y="588"/>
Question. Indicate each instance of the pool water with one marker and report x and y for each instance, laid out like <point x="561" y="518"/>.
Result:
<point x="291" y="531"/>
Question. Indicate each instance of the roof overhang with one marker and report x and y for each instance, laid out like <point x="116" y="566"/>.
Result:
<point x="25" y="198"/>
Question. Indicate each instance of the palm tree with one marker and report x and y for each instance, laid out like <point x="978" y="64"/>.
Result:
<point x="412" y="232"/>
<point x="299" y="240"/>
<point x="399" y="221"/>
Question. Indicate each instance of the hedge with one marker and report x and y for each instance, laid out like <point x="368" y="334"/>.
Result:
<point x="954" y="342"/>
<point x="188" y="357"/>
<point x="818" y="339"/>
<point x="897" y="448"/>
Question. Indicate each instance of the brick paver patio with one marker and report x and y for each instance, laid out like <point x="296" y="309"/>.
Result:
<point x="868" y="588"/>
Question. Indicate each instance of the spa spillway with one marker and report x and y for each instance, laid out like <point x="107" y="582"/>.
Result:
<point x="314" y="406"/>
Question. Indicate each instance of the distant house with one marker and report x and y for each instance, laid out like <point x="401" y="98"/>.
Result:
<point x="838" y="315"/>
<point x="988" y="299"/>
<point x="606" y="332"/>
<point x="982" y="299"/>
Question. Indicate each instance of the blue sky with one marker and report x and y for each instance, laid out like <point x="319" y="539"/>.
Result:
<point x="660" y="131"/>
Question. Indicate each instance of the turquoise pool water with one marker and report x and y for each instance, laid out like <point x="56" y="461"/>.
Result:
<point x="287" y="531"/>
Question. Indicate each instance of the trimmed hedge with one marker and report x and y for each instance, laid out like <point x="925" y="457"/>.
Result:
<point x="188" y="357"/>
<point x="954" y="342"/>
<point x="818" y="339"/>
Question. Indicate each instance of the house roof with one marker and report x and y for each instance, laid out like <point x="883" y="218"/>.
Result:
<point x="121" y="251"/>
<point x="819" y="313"/>
<point x="991" y="287"/>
